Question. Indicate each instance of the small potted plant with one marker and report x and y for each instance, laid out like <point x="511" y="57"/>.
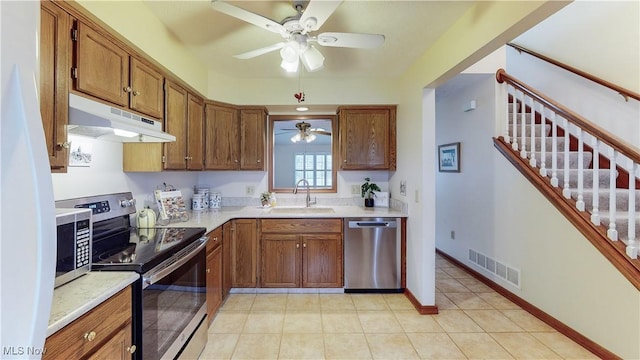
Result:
<point x="367" y="192"/>
<point x="265" y="198"/>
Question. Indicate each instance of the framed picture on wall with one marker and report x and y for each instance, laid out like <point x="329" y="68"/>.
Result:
<point x="449" y="157"/>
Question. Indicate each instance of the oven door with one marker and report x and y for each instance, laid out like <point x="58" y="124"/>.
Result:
<point x="173" y="303"/>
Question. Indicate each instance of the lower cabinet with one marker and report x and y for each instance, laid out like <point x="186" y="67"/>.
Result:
<point x="301" y="253"/>
<point x="102" y="333"/>
<point x="214" y="272"/>
<point x="244" y="253"/>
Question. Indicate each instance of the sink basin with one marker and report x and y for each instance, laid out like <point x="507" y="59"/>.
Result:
<point x="301" y="210"/>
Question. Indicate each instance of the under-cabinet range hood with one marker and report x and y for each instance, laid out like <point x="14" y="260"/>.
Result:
<point x="97" y="120"/>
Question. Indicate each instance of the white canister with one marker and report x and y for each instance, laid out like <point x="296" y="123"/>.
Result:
<point x="197" y="202"/>
<point x="215" y="200"/>
<point x="204" y="191"/>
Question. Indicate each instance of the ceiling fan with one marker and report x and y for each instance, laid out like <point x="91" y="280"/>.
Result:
<point x="306" y="133"/>
<point x="296" y="31"/>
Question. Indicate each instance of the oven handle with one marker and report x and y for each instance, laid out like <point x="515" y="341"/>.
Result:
<point x="174" y="262"/>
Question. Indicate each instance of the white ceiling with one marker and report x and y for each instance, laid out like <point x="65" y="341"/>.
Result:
<point x="410" y="28"/>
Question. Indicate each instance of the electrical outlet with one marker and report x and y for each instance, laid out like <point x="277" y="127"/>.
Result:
<point x="250" y="190"/>
<point x="355" y="189"/>
<point x="453" y="235"/>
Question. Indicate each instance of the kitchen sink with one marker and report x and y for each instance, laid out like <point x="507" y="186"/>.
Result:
<point x="301" y="210"/>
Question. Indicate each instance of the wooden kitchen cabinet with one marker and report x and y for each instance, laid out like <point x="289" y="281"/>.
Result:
<point x="226" y="258"/>
<point x="105" y="70"/>
<point x="244" y="253"/>
<point x="102" y="333"/>
<point x="301" y="253"/>
<point x="184" y="119"/>
<point x="235" y="137"/>
<point x="367" y="137"/>
<point x="55" y="55"/>
<point x="252" y="138"/>
<point x="214" y="272"/>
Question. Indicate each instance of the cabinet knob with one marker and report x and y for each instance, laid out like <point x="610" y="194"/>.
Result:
<point x="90" y="336"/>
<point x="208" y="270"/>
<point x="127" y="89"/>
<point x="344" y="161"/>
<point x="215" y="238"/>
<point x="297" y="246"/>
<point x="235" y="161"/>
<point x="64" y="145"/>
<point x="136" y="93"/>
<point x="259" y="161"/>
<point x="304" y="245"/>
<point x="131" y="349"/>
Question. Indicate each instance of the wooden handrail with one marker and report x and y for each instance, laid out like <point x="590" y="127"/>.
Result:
<point x="615" y="142"/>
<point x="626" y="94"/>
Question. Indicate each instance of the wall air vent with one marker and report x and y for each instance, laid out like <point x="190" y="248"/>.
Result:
<point x="488" y="264"/>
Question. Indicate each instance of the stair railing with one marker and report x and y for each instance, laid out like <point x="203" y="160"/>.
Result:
<point x="526" y="100"/>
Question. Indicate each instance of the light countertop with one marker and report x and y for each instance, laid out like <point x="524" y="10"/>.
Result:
<point x="212" y="218"/>
<point x="76" y="298"/>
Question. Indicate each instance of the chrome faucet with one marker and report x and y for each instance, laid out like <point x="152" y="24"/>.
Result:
<point x="295" y="191"/>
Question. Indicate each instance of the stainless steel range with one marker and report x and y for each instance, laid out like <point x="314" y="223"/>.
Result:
<point x="169" y="299"/>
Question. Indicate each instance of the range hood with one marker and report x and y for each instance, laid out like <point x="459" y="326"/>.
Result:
<point x="97" y="120"/>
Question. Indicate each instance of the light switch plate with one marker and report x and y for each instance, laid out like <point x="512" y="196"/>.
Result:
<point x="381" y="199"/>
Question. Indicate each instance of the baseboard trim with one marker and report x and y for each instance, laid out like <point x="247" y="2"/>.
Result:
<point x="533" y="310"/>
<point x="422" y="309"/>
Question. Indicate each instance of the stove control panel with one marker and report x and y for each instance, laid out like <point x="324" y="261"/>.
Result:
<point x="98" y="207"/>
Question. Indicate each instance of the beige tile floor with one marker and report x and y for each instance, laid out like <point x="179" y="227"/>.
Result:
<point x="474" y="322"/>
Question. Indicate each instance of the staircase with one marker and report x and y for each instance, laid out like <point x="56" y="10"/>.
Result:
<point x="596" y="193"/>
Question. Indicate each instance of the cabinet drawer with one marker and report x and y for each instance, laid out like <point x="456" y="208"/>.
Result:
<point x="301" y="226"/>
<point x="104" y="320"/>
<point x="215" y="239"/>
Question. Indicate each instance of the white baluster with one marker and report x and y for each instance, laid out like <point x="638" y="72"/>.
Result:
<point x="612" y="233"/>
<point x="566" y="192"/>
<point x="543" y="143"/>
<point x="554" y="150"/>
<point x="632" y="247"/>
<point x="505" y="90"/>
<point x="523" y="124"/>
<point x="514" y="120"/>
<point x="580" y="200"/>
<point x="595" y="212"/>
<point x="532" y="146"/>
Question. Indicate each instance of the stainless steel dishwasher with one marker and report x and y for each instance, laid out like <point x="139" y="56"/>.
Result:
<point x="371" y="255"/>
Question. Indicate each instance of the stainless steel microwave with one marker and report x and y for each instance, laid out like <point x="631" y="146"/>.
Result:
<point x="74" y="233"/>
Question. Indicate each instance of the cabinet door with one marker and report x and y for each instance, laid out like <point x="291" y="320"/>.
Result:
<point x="280" y="261"/>
<point x="367" y="139"/>
<point x="55" y="50"/>
<point x="244" y="253"/>
<point x="102" y="67"/>
<point x="214" y="282"/>
<point x="176" y="125"/>
<point x="195" y="133"/>
<point x="146" y="89"/>
<point x="322" y="260"/>
<point x="118" y="346"/>
<point x="227" y="235"/>
<point x="252" y="139"/>
<point x="222" y="141"/>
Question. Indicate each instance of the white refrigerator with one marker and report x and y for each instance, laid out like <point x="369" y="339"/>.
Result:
<point x="27" y="217"/>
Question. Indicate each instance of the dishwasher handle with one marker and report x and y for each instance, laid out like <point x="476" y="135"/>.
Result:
<point x="372" y="224"/>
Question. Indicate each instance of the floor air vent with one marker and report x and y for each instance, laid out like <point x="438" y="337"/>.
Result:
<point x="493" y="266"/>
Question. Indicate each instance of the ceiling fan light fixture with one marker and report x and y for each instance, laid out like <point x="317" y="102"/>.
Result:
<point x="312" y="59"/>
<point x="302" y="108"/>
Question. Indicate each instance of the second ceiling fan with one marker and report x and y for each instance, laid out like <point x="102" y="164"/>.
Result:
<point x="296" y="31"/>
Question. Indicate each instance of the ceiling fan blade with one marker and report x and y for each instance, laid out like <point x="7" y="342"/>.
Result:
<point x="320" y="132"/>
<point x="316" y="13"/>
<point x="261" y="51"/>
<point x="350" y="40"/>
<point x="248" y="16"/>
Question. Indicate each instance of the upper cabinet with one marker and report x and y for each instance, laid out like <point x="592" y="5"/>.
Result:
<point x="252" y="138"/>
<point x="367" y="137"/>
<point x="184" y="120"/>
<point x="105" y="70"/>
<point x="55" y="51"/>
<point x="234" y="138"/>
